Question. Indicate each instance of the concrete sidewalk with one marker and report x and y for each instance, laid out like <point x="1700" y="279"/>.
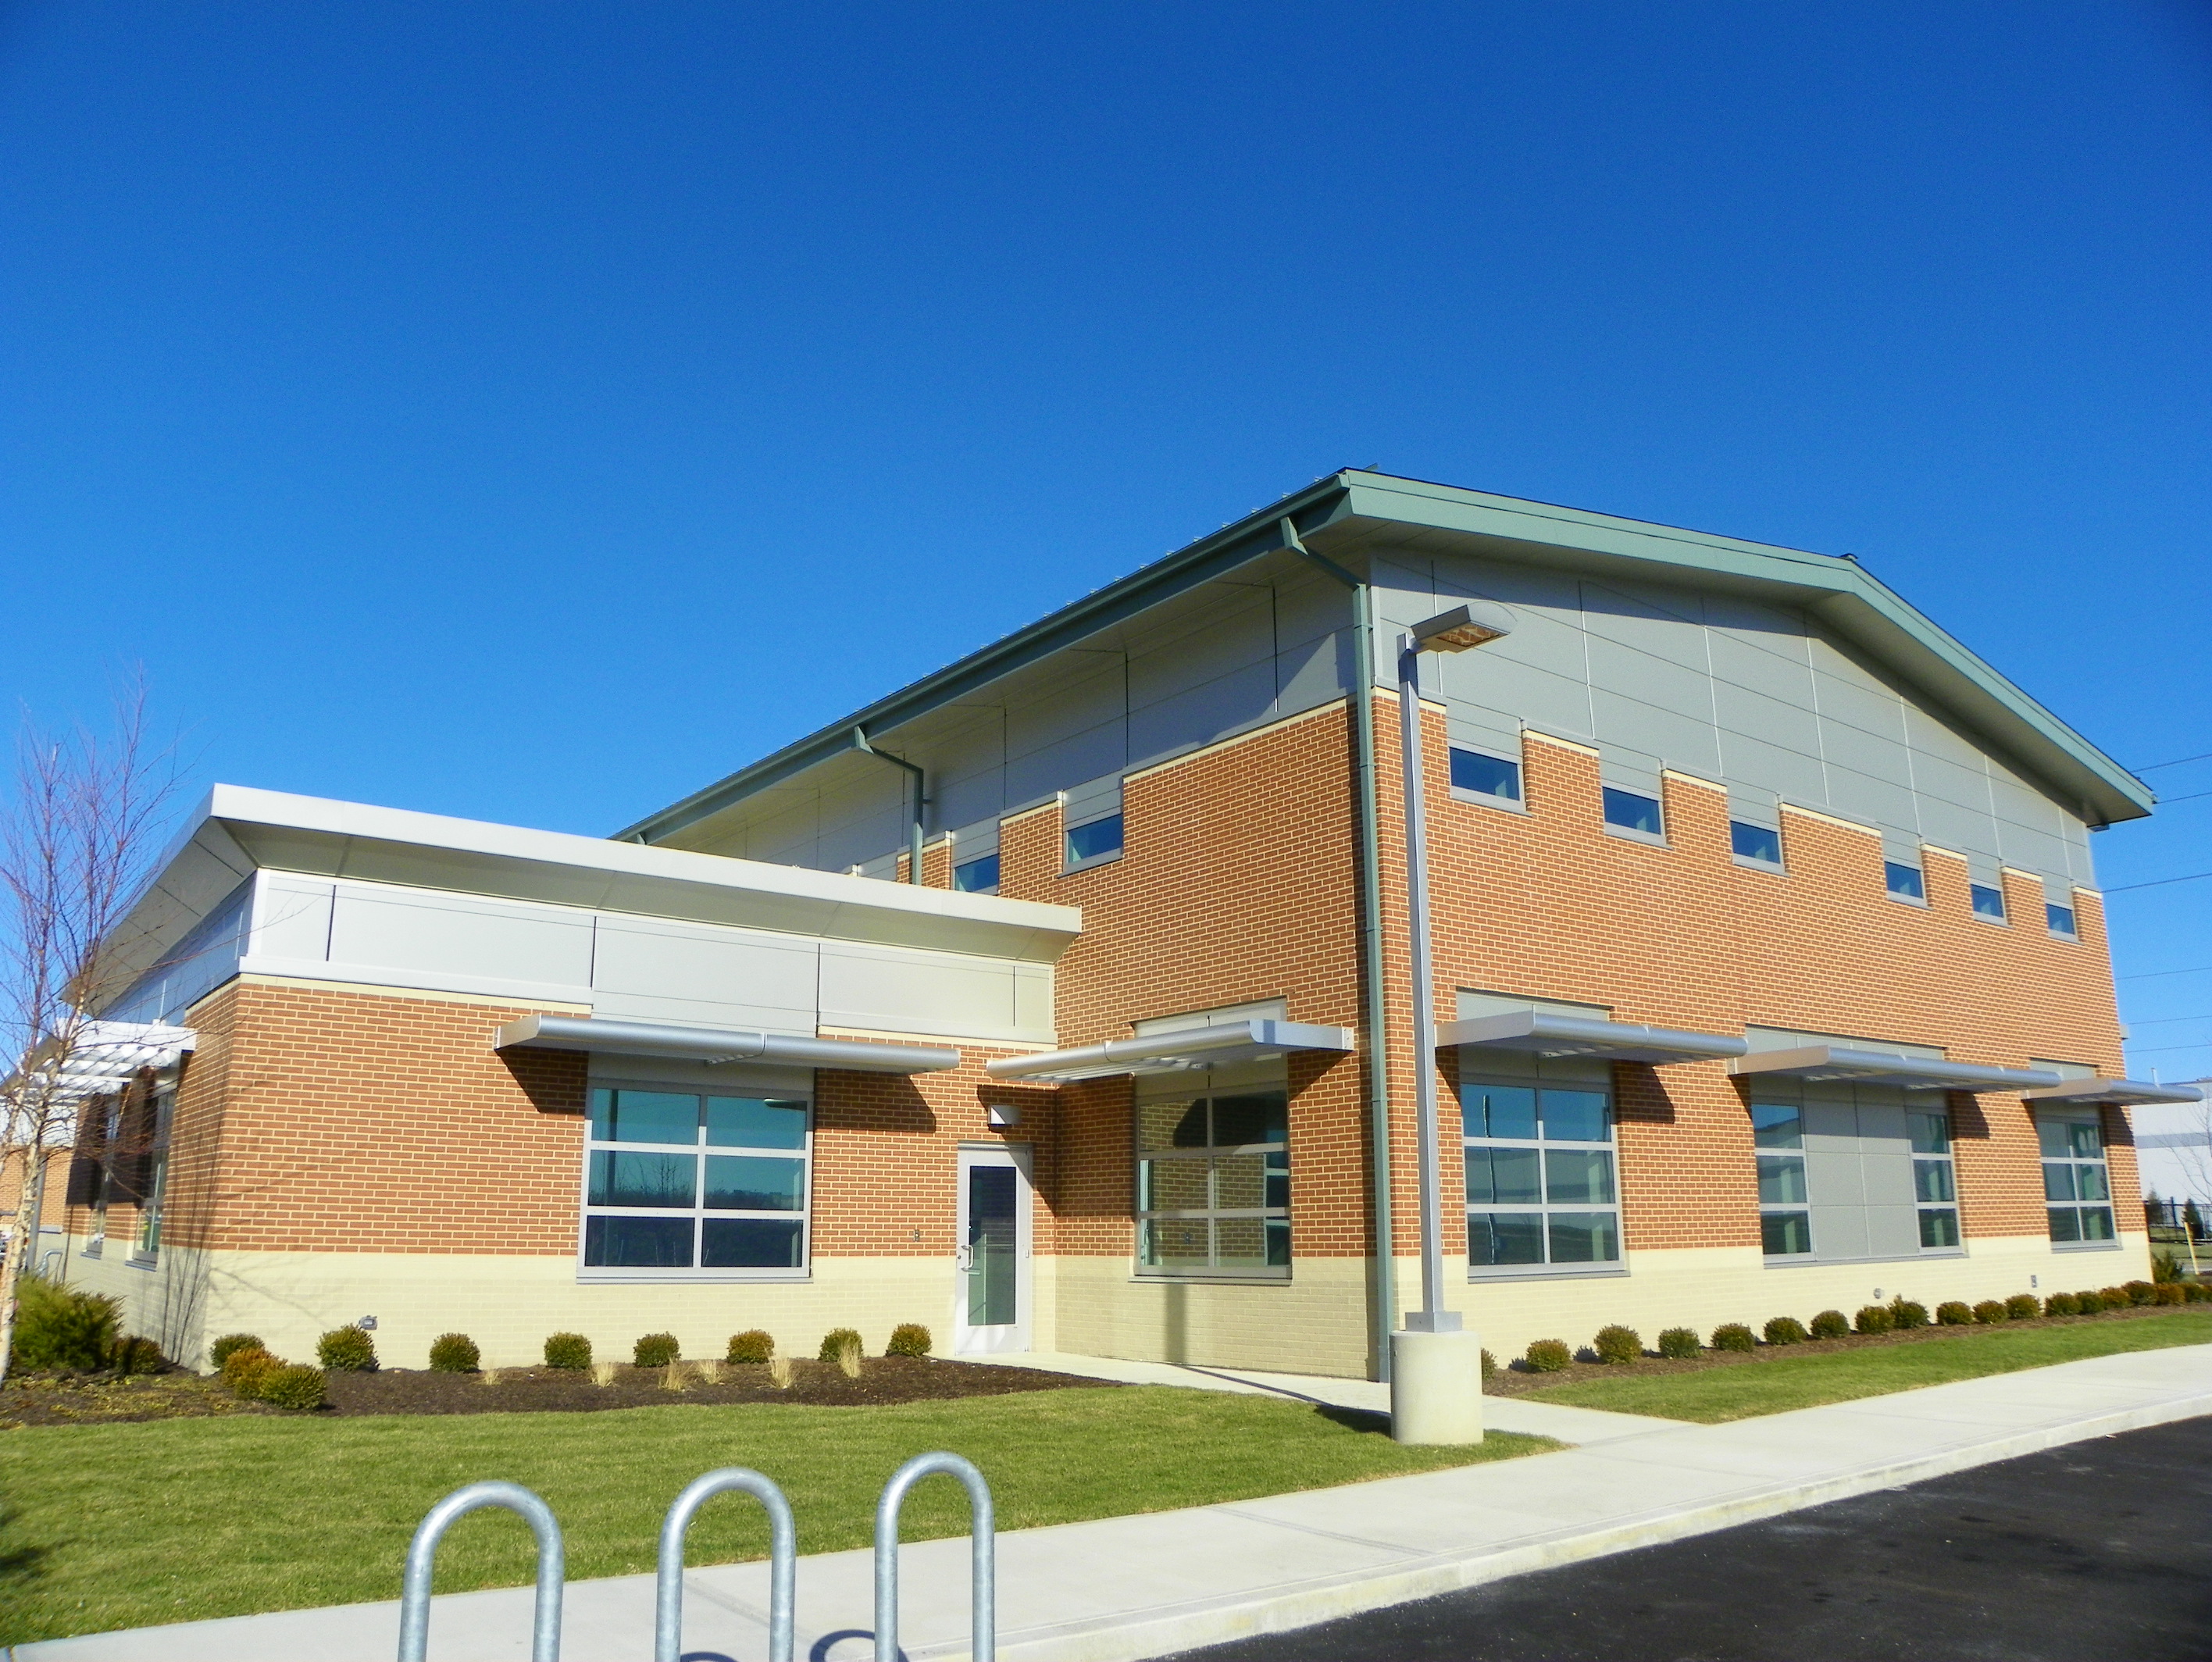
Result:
<point x="1123" y="1588"/>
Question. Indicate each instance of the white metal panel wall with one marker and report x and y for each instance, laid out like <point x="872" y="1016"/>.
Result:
<point x="898" y="990"/>
<point x="698" y="974"/>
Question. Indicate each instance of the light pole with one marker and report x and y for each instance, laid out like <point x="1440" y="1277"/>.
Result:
<point x="1436" y="1372"/>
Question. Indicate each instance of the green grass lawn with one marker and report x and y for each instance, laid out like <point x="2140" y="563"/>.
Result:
<point x="122" y="1526"/>
<point x="1782" y="1382"/>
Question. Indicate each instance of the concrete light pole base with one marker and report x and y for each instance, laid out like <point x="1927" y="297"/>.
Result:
<point x="1436" y="1387"/>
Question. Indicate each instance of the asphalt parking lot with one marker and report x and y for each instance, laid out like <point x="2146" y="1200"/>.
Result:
<point x="2098" y="1550"/>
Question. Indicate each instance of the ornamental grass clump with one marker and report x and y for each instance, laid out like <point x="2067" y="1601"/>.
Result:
<point x="1905" y="1314"/>
<point x="1618" y="1345"/>
<point x="1956" y="1313"/>
<point x="221" y="1351"/>
<point x="2023" y="1307"/>
<point x="454" y="1353"/>
<point x="1831" y="1325"/>
<point x="909" y="1338"/>
<point x="655" y="1350"/>
<point x="570" y="1351"/>
<point x="346" y="1351"/>
<point x="1734" y="1335"/>
<point x="751" y="1345"/>
<point x="2062" y="1304"/>
<point x="1874" y="1319"/>
<point x="848" y="1357"/>
<point x="1679" y="1344"/>
<point x="1549" y="1357"/>
<point x="834" y="1341"/>
<point x="780" y="1372"/>
<point x="1989" y="1312"/>
<point x="293" y="1385"/>
<point x="1785" y="1330"/>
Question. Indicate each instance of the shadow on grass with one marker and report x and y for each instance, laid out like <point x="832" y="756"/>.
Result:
<point x="20" y="1566"/>
<point x="1371" y="1421"/>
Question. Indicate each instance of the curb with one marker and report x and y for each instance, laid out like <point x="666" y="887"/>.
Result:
<point x="1210" y="1623"/>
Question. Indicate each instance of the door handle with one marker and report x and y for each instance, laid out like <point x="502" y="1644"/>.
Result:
<point x="967" y="1257"/>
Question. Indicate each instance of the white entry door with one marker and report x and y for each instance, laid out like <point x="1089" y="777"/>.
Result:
<point x="991" y="1291"/>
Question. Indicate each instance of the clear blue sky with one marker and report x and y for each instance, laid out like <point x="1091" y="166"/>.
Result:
<point x="532" y="411"/>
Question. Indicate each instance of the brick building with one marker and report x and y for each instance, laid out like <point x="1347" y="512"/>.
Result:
<point x="1769" y="977"/>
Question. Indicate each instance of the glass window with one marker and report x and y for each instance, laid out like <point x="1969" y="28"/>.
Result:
<point x="1094" y="841"/>
<point x="1541" y="1187"/>
<point x="1777" y="1132"/>
<point x="1934" y="1179"/>
<point x="1485" y="776"/>
<point x="977" y="876"/>
<point x="1988" y="903"/>
<point x="2060" y="919"/>
<point x="1756" y="843"/>
<point x="1902" y="881"/>
<point x="2076" y="1186"/>
<point x="1630" y="810"/>
<point x="1214" y="1184"/>
<point x="687" y="1183"/>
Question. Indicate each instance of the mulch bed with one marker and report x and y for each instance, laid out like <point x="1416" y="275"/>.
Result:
<point x="1513" y="1377"/>
<point x="92" y="1398"/>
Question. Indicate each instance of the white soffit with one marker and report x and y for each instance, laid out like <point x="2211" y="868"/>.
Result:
<point x="609" y="1038"/>
<point x="1217" y="1045"/>
<point x="2120" y="1093"/>
<point x="1547" y="1033"/>
<point x="1828" y="1062"/>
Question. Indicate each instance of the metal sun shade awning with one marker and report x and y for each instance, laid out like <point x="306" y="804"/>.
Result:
<point x="2118" y="1093"/>
<point x="1547" y="1033"/>
<point x="720" y="1045"/>
<point x="101" y="1057"/>
<point x="1255" y="1041"/>
<point x="1816" y="1062"/>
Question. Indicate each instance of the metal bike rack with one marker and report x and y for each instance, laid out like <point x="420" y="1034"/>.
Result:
<point x="783" y="1561"/>
<point x="983" y="1644"/>
<point x="421" y="1555"/>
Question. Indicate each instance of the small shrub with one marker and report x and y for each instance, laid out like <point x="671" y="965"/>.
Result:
<point x="909" y="1338"/>
<point x="2062" y="1304"/>
<point x="58" y="1326"/>
<point x="2023" y="1307"/>
<point x="1679" y="1344"/>
<point x="2164" y="1268"/>
<point x="1956" y="1313"/>
<point x="244" y="1371"/>
<point x="2196" y="1291"/>
<point x="2141" y="1292"/>
<point x="2089" y="1304"/>
<point x="1906" y="1314"/>
<point x="220" y="1351"/>
<point x="1785" y="1330"/>
<point x="293" y="1385"/>
<point x="751" y="1345"/>
<point x="1734" y="1335"/>
<point x="1989" y="1312"/>
<point x="569" y="1351"/>
<point x="655" y="1350"/>
<point x="138" y="1353"/>
<point x="2170" y="1293"/>
<point x="2115" y="1298"/>
<point x="1831" y="1325"/>
<point x="1549" y="1357"/>
<point x="454" y="1353"/>
<point x="1874" y="1319"/>
<point x="1618" y="1345"/>
<point x="346" y="1351"/>
<point x="1489" y="1366"/>
<point x="835" y="1340"/>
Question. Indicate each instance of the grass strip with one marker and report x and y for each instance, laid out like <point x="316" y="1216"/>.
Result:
<point x="1779" y="1381"/>
<point x="112" y="1526"/>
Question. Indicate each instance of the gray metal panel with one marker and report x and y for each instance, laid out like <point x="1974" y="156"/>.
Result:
<point x="1201" y="714"/>
<point x="1791" y="774"/>
<point x="1867" y="797"/>
<point x="1093" y="799"/>
<point x="1756" y="713"/>
<point x="1688" y="743"/>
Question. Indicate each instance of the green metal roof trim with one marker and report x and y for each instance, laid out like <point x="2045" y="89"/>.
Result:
<point x="1842" y="591"/>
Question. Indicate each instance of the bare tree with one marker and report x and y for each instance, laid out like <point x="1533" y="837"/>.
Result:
<point x="77" y="844"/>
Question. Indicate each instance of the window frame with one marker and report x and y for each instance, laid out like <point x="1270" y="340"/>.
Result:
<point x="1975" y="891"/>
<point x="990" y="859"/>
<point x="1757" y="862"/>
<point x="146" y="1240"/>
<point x="1543" y="1209"/>
<point x="1779" y="1152"/>
<point x="1945" y="1161"/>
<point x="1072" y="863"/>
<point x="2077" y="1203"/>
<point x="1516" y="803"/>
<point x="2052" y="912"/>
<point x="1612" y="827"/>
<point x="1919" y="893"/>
<point x="698" y="1212"/>
<point x="1212" y="1214"/>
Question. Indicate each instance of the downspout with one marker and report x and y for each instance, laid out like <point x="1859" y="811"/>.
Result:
<point x="914" y="831"/>
<point x="1362" y="709"/>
